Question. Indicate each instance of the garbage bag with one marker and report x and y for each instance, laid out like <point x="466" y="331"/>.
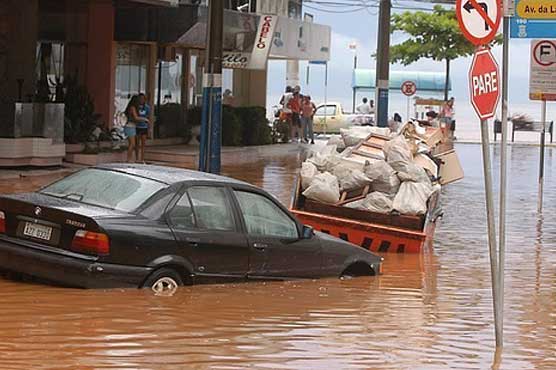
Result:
<point x="383" y="177"/>
<point x="374" y="202"/>
<point x="322" y="158"/>
<point x="354" y="135"/>
<point x="412" y="198"/>
<point x="338" y="141"/>
<point x="397" y="149"/>
<point x="408" y="171"/>
<point x="350" y="178"/>
<point x="324" y="188"/>
<point x="307" y="173"/>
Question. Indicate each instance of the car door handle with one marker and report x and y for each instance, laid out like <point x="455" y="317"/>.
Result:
<point x="194" y="242"/>
<point x="260" y="246"/>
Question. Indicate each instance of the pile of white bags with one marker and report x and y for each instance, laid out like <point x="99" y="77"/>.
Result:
<point x="398" y="184"/>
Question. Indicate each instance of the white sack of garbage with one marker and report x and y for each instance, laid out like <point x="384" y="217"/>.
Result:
<point x="397" y="150"/>
<point x="383" y="177"/>
<point x="412" y="198"/>
<point x="338" y="141"/>
<point x="408" y="171"/>
<point x="350" y="178"/>
<point x="307" y="173"/>
<point x="322" y="158"/>
<point x="324" y="188"/>
<point x="374" y="202"/>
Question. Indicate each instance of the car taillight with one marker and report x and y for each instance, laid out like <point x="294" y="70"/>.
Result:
<point x="2" y="222"/>
<point x="90" y="243"/>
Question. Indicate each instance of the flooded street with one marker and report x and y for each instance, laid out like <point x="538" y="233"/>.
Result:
<point x="428" y="311"/>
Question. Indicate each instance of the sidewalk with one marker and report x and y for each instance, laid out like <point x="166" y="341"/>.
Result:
<point x="187" y="156"/>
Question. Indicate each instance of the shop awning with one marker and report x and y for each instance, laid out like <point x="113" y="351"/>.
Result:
<point x="365" y="79"/>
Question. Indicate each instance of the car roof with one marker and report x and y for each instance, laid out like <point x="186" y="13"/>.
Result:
<point x="168" y="175"/>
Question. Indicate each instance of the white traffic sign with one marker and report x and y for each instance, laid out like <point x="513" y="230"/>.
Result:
<point x="542" y="76"/>
<point x="409" y="88"/>
<point x="479" y="19"/>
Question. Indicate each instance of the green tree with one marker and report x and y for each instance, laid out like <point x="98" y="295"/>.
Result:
<point x="435" y="35"/>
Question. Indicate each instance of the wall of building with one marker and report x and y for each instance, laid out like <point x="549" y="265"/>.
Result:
<point x="18" y="40"/>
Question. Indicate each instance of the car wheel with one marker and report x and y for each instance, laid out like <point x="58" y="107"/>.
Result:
<point x="163" y="281"/>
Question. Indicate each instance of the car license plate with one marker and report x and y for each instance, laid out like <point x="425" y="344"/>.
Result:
<point x="37" y="231"/>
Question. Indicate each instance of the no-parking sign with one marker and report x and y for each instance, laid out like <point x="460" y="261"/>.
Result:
<point x="479" y="19"/>
<point x="542" y="78"/>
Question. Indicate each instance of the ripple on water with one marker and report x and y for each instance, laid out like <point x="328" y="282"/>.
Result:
<point x="429" y="311"/>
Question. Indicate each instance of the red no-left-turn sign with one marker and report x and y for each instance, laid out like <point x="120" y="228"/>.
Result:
<point x="484" y="84"/>
<point x="409" y="88"/>
<point x="479" y="19"/>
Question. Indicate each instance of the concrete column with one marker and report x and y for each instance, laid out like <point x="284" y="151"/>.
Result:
<point x="101" y="58"/>
<point x="250" y="88"/>
<point x="292" y="73"/>
<point x="77" y="34"/>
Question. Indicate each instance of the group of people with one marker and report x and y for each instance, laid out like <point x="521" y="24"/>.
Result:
<point x="366" y="107"/>
<point x="298" y="111"/>
<point x="138" y="114"/>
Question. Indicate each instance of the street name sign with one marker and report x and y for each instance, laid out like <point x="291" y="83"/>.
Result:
<point x="542" y="75"/>
<point x="536" y="9"/>
<point x="409" y="88"/>
<point x="479" y="19"/>
<point x="484" y="88"/>
<point x="534" y="19"/>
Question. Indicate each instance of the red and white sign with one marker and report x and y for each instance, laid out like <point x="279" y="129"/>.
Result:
<point x="484" y="84"/>
<point x="542" y="76"/>
<point x="479" y="19"/>
<point x="409" y="88"/>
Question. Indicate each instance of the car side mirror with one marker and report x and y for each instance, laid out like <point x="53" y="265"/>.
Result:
<point x="308" y="232"/>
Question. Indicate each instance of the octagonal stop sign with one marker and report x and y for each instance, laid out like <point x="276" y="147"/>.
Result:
<point x="484" y="88"/>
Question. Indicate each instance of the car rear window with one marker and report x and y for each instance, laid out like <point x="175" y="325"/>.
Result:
<point x="105" y="188"/>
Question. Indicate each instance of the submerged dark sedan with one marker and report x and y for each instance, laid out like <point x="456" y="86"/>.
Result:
<point x="159" y="227"/>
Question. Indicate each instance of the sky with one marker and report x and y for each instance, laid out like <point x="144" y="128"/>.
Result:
<point x="361" y="27"/>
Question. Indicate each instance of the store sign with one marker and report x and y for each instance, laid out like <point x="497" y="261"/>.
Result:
<point x="542" y="76"/>
<point x="298" y="40"/>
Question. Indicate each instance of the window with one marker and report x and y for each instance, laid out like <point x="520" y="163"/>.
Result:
<point x="263" y="217"/>
<point x="328" y="110"/>
<point x="182" y="214"/>
<point x="104" y="188"/>
<point x="212" y="208"/>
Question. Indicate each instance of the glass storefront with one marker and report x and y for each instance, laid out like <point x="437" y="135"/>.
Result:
<point x="132" y="63"/>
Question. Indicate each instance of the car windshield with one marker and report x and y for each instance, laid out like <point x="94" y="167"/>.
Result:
<point x="105" y="188"/>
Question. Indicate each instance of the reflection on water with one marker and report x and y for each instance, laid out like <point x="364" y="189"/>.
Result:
<point x="428" y="311"/>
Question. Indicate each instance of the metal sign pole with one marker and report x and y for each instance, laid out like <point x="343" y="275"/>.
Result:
<point x="491" y="226"/>
<point x="503" y="175"/>
<point x="541" y="164"/>
<point x="407" y="117"/>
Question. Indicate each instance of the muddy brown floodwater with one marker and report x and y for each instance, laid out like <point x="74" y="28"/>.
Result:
<point x="428" y="311"/>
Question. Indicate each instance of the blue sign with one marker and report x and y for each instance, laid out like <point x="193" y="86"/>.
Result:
<point x="521" y="28"/>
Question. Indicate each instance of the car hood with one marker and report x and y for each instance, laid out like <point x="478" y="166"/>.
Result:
<point x="66" y="205"/>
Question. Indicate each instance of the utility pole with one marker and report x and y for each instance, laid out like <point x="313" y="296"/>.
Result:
<point x="211" y="120"/>
<point x="383" y="63"/>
